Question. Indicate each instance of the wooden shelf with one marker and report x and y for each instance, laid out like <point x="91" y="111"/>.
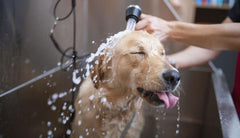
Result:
<point x="211" y="13"/>
<point x="222" y="7"/>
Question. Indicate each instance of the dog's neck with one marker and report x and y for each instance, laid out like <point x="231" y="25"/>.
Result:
<point x="117" y="109"/>
<point x="117" y="102"/>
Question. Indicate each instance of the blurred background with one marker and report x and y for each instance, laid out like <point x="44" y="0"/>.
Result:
<point x="36" y="94"/>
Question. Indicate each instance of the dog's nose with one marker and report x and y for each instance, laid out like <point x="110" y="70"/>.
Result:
<point x="171" y="77"/>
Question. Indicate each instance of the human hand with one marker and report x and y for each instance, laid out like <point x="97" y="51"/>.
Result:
<point x="154" y="25"/>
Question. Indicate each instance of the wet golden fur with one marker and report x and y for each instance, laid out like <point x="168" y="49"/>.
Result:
<point x="137" y="60"/>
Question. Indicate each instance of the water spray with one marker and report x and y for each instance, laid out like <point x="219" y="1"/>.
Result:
<point x="133" y="13"/>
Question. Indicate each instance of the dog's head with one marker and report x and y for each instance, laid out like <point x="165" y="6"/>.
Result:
<point x="138" y="64"/>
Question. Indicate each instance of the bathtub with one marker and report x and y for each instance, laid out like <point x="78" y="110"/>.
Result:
<point x="30" y="80"/>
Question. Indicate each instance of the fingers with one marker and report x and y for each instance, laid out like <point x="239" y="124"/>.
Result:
<point x="143" y="16"/>
<point x="141" y="24"/>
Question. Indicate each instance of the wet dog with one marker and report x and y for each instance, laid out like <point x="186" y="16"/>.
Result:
<point x="109" y="101"/>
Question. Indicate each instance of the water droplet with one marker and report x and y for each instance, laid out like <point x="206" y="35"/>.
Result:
<point x="177" y="131"/>
<point x="80" y="101"/>
<point x="70" y="108"/>
<point x="55" y="96"/>
<point x="79" y="122"/>
<point x="91" y="97"/>
<point x="49" y="102"/>
<point x="95" y="78"/>
<point x="64" y="121"/>
<point x="103" y="99"/>
<point x="48" y="123"/>
<point x="60" y="95"/>
<point x="64" y="107"/>
<point x="50" y="132"/>
<point x="62" y="114"/>
<point x="76" y="79"/>
<point x="79" y="112"/>
<point x="68" y="132"/>
<point x="53" y="107"/>
<point x="178" y="119"/>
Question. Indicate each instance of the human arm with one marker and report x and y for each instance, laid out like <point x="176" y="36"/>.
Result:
<point x="193" y="56"/>
<point x="216" y="37"/>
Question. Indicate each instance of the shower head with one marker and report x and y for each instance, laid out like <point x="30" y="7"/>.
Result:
<point x="133" y="11"/>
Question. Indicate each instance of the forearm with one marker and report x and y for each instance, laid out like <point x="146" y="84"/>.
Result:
<point x="193" y="56"/>
<point x="217" y="37"/>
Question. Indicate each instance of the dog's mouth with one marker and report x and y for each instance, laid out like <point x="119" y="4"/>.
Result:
<point x="159" y="98"/>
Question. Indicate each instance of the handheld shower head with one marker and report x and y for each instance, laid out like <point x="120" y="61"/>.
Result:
<point x="133" y="11"/>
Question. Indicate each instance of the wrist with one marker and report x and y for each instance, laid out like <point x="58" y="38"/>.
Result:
<point x="181" y="31"/>
<point x="171" y="34"/>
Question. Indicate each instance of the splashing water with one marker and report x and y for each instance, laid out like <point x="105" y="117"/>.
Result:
<point x="76" y="80"/>
<point x="68" y="132"/>
<point x="110" y="43"/>
<point x="178" y="118"/>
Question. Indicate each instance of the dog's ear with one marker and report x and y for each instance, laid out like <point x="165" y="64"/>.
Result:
<point x="97" y="74"/>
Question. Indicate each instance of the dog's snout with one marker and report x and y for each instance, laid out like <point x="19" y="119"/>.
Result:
<point x="171" y="77"/>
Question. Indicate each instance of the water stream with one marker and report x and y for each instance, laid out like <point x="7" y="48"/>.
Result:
<point x="131" y="23"/>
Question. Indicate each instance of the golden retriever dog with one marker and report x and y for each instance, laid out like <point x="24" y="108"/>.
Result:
<point x="109" y="102"/>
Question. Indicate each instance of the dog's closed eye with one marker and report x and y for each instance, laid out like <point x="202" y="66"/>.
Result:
<point x="140" y="53"/>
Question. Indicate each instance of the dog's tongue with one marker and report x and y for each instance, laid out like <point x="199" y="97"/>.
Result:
<point x="169" y="99"/>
